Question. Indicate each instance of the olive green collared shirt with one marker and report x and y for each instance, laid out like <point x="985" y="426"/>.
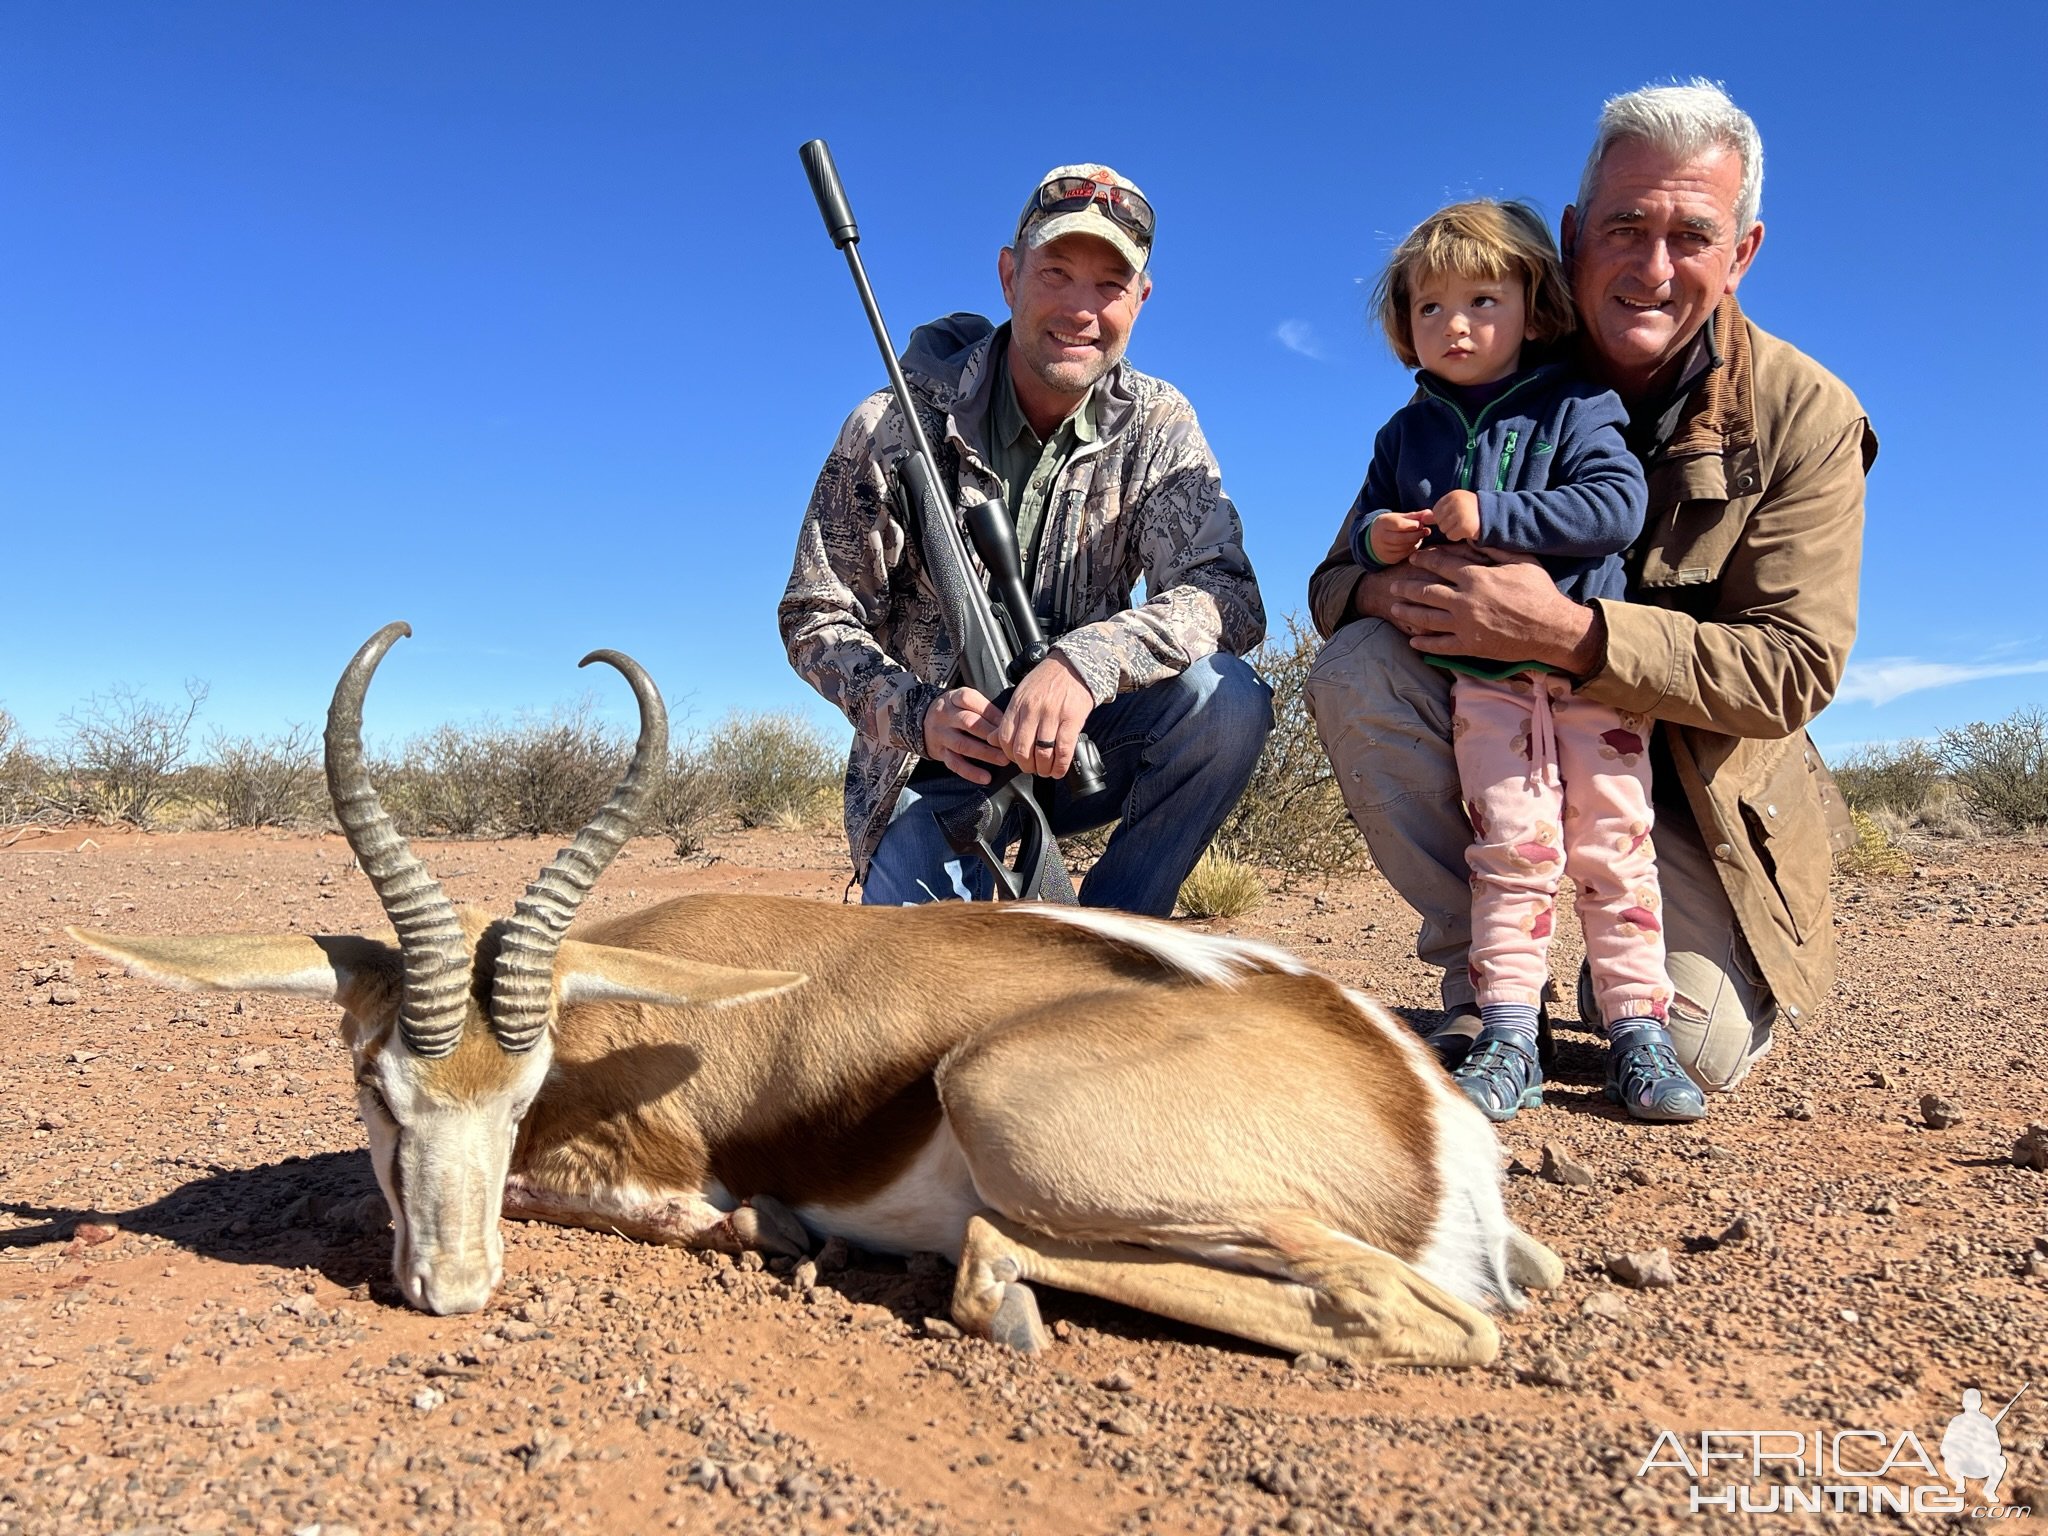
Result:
<point x="1027" y="467"/>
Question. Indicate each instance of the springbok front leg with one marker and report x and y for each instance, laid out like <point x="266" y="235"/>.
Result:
<point x="680" y="1221"/>
<point x="1367" y="1305"/>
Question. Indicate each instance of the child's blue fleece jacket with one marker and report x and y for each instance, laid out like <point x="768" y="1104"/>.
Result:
<point x="1545" y="456"/>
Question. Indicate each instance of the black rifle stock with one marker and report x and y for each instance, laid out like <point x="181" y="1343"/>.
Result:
<point x="989" y="652"/>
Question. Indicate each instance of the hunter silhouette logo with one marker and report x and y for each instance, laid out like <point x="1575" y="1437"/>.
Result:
<point x="1970" y="1446"/>
<point x="1869" y="1471"/>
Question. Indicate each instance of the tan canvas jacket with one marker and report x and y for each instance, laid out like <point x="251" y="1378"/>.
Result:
<point x="1145" y="501"/>
<point x="1742" y="612"/>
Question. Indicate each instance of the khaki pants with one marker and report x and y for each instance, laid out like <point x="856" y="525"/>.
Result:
<point x="1384" y="715"/>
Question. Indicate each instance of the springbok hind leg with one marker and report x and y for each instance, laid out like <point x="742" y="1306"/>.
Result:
<point x="1364" y="1305"/>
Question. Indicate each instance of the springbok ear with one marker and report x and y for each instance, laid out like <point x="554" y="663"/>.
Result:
<point x="588" y="973"/>
<point x="338" y="967"/>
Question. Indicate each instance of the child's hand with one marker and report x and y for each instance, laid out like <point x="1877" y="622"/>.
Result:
<point x="1457" y="515"/>
<point x="1394" y="536"/>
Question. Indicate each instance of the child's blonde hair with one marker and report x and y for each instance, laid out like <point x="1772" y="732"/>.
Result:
<point x="1480" y="239"/>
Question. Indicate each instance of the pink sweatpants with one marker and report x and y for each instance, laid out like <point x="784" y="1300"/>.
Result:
<point x="1557" y="785"/>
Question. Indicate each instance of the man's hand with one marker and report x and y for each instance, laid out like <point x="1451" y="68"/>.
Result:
<point x="1457" y="516"/>
<point x="1499" y="607"/>
<point x="1394" y="536"/>
<point x="960" y="729"/>
<point x="1046" y="713"/>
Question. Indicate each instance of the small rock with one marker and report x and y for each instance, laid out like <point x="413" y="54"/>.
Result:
<point x="1642" y="1176"/>
<point x="1801" y="1109"/>
<point x="1883" y="1205"/>
<point x="805" y="1276"/>
<point x="939" y="1328"/>
<point x="833" y="1255"/>
<point x="1749" y="1227"/>
<point x="2031" y="1149"/>
<point x="1880" y="1080"/>
<point x="1546" y="1370"/>
<point x="1130" y="1425"/>
<point x="800" y="1486"/>
<point x="300" y="1306"/>
<point x="52" y="1120"/>
<point x="867" y="1314"/>
<point x="515" y="1330"/>
<point x="63" y="997"/>
<point x="1560" y="1169"/>
<point x="93" y="1233"/>
<point x="549" y="1451"/>
<point x="1308" y="1361"/>
<point x="427" y="1399"/>
<point x="705" y="1473"/>
<point x="1644" y="1271"/>
<point x="255" y="1061"/>
<point x="1117" y="1381"/>
<point x="1937" y="1114"/>
<point x="80" y="1058"/>
<point x="1605" y="1304"/>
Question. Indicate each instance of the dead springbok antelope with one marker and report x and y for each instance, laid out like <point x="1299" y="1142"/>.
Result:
<point x="1199" y="1127"/>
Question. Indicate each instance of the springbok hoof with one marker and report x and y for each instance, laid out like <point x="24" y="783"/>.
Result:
<point x="1016" y="1322"/>
<point x="766" y="1223"/>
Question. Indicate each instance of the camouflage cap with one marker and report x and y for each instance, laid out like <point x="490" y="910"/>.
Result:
<point x="1038" y="226"/>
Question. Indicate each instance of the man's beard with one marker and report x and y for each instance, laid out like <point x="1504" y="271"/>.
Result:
<point x="1069" y="378"/>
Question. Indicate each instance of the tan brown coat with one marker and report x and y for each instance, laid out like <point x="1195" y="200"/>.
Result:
<point x="1742" y="612"/>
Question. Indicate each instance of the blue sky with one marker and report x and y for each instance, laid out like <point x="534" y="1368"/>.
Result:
<point x="518" y="322"/>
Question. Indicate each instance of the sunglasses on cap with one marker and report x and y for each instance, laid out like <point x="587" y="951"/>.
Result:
<point x="1068" y="194"/>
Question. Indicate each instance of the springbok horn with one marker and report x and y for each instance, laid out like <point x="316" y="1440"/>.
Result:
<point x="524" y="980"/>
<point x="429" y="933"/>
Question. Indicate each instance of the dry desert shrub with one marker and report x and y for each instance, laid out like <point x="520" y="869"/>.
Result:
<point x="551" y="775"/>
<point x="2000" y="769"/>
<point x="692" y="801"/>
<point x="20" y="773"/>
<point x="1292" y="817"/>
<point x="256" y="781"/>
<point x="778" y="768"/>
<point x="124" y="754"/>
<point x="541" y="776"/>
<point x="440" y="784"/>
<point x="1220" y="886"/>
<point x="1899" y="777"/>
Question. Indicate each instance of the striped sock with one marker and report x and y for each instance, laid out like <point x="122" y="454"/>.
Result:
<point x="1514" y="1023"/>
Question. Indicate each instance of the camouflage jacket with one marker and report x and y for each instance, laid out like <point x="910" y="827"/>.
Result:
<point x="1145" y="500"/>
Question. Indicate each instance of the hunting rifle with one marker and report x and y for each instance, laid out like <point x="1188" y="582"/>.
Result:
<point x="996" y="642"/>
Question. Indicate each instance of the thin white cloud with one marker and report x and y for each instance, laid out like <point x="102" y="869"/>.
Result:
<point x="1893" y="677"/>
<point x="1300" y="336"/>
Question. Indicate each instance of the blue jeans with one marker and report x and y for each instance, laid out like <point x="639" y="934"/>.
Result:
<point x="1175" y="758"/>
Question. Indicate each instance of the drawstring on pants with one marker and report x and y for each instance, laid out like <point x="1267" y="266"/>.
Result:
<point x="1542" y="731"/>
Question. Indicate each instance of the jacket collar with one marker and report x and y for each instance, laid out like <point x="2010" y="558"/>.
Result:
<point x="1721" y="417"/>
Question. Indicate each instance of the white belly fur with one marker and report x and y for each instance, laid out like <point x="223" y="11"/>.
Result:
<point x="924" y="1210"/>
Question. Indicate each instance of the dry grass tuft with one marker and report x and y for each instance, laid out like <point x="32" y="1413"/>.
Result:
<point x="1220" y="886"/>
<point x="1874" y="853"/>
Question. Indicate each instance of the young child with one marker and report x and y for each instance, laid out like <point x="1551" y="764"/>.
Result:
<point x="1529" y="459"/>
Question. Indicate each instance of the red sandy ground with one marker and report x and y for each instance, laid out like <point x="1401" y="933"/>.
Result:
<point x="197" y="1332"/>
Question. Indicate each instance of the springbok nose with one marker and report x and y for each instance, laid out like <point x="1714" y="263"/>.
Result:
<point x="448" y="1290"/>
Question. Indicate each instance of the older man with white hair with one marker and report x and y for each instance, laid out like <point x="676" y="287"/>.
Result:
<point x="1740" y="613"/>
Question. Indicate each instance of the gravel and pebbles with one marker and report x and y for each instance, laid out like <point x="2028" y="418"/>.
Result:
<point x="198" y="1335"/>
